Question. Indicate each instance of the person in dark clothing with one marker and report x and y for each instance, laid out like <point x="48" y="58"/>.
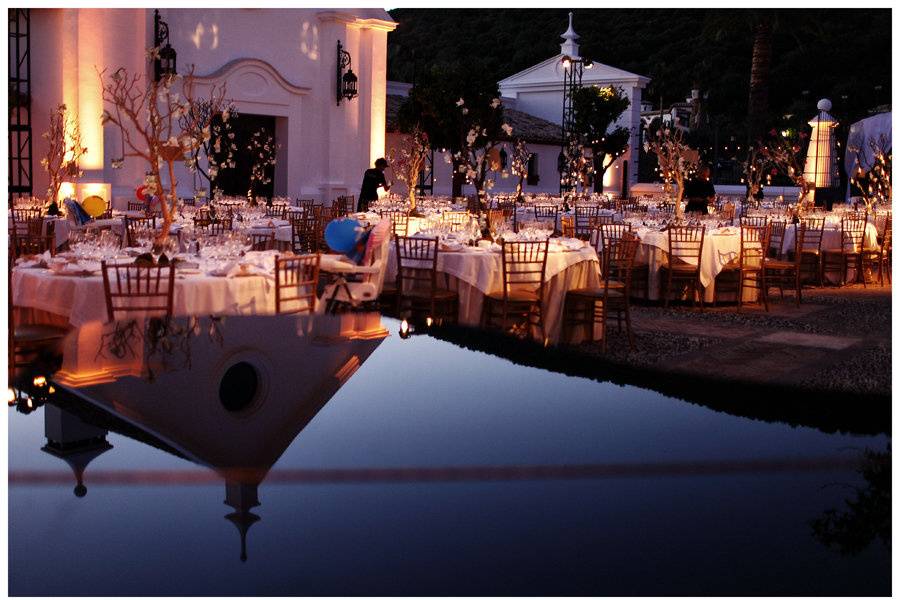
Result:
<point x="372" y="180"/>
<point x="699" y="192"/>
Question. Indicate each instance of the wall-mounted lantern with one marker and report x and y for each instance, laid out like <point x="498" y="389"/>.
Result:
<point x="165" y="62"/>
<point x="346" y="82"/>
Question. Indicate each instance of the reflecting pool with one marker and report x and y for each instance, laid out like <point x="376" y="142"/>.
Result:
<point x="289" y="456"/>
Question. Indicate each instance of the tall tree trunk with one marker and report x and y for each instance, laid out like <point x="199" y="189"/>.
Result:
<point x="758" y="105"/>
<point x="599" y="171"/>
<point x="457" y="179"/>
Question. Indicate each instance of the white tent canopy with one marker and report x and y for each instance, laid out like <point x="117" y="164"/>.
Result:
<point x="871" y="128"/>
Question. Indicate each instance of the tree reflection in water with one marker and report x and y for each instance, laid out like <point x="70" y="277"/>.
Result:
<point x="867" y="516"/>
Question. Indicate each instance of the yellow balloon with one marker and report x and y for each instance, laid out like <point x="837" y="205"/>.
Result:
<point x="94" y="206"/>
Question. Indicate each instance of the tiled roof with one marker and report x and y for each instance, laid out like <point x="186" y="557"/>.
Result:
<point x="532" y="129"/>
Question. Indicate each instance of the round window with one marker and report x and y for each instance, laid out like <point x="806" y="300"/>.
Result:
<point x="238" y="387"/>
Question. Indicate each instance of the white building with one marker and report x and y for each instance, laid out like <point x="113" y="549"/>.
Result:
<point x="538" y="90"/>
<point x="276" y="63"/>
<point x="532" y="105"/>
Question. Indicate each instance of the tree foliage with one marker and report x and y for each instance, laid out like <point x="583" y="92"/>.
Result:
<point x="596" y="112"/>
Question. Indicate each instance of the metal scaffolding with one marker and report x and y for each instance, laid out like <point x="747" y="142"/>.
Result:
<point x="20" y="163"/>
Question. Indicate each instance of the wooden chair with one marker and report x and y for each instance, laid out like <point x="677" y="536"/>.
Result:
<point x="748" y="270"/>
<point x="547" y="212"/>
<point x="879" y="256"/>
<point x="849" y="254"/>
<point x="456" y="219"/>
<point x="591" y="306"/>
<point x="23" y="245"/>
<point x="585" y="218"/>
<point x="567" y="226"/>
<point x="262" y="241"/>
<point x="524" y="268"/>
<point x="188" y="201"/>
<point x="605" y="235"/>
<point x="141" y="207"/>
<point x="399" y="221"/>
<point x="135" y="224"/>
<point x="276" y="211"/>
<point x="754" y="221"/>
<point x="728" y="211"/>
<point x="305" y="232"/>
<point x="685" y="249"/>
<point x="296" y="283"/>
<point x="24" y="219"/>
<point x="213" y="226"/>
<point x="776" y="239"/>
<point x="417" y="280"/>
<point x="811" y="250"/>
<point x="510" y="212"/>
<point x="306" y="203"/>
<point x="144" y="289"/>
<point x="784" y="274"/>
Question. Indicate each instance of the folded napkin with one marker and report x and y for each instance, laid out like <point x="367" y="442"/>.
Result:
<point x="241" y="269"/>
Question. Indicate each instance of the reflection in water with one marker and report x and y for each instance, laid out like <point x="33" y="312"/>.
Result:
<point x="867" y="516"/>
<point x="229" y="396"/>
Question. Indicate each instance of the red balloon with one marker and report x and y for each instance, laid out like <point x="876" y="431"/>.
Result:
<point x="139" y="192"/>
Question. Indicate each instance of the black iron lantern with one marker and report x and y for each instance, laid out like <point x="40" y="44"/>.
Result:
<point x="165" y="63"/>
<point x="346" y="82"/>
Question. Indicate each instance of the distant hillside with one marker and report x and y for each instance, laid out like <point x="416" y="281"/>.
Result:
<point x="827" y="53"/>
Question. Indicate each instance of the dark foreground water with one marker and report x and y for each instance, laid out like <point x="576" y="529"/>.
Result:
<point x="507" y="480"/>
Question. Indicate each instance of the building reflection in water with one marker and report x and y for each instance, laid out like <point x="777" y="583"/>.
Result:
<point x="229" y="394"/>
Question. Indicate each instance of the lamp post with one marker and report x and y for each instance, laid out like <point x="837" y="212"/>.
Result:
<point x="346" y="82"/>
<point x="165" y="62"/>
<point x="573" y="67"/>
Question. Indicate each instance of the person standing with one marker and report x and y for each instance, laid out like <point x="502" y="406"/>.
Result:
<point x="372" y="180"/>
<point x="699" y="192"/>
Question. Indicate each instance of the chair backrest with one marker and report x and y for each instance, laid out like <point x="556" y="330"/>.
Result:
<point x="24" y="218"/>
<point x="814" y="228"/>
<point x="567" y="226"/>
<point x="853" y="232"/>
<point x="607" y="234"/>
<point x="456" y="219"/>
<point x="776" y="238"/>
<point x="276" y="210"/>
<point x="138" y="206"/>
<point x="296" y="283"/>
<point x="754" y="246"/>
<point x="686" y="243"/>
<point x="546" y="211"/>
<point x="585" y="218"/>
<point x="145" y="289"/>
<point x="213" y="227"/>
<point x="728" y="210"/>
<point x="399" y="220"/>
<point x="22" y="245"/>
<point x="416" y="263"/>
<point x="754" y="220"/>
<point x="306" y="203"/>
<point x="524" y="265"/>
<point x="262" y="241"/>
<point x="619" y="261"/>
<point x="135" y="224"/>
<point x="305" y="228"/>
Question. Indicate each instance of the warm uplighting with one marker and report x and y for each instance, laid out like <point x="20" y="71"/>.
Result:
<point x="404" y="329"/>
<point x="66" y="190"/>
<point x="10" y="396"/>
<point x="39" y="381"/>
<point x="428" y="321"/>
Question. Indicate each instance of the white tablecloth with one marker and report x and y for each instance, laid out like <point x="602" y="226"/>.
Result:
<point x="475" y="272"/>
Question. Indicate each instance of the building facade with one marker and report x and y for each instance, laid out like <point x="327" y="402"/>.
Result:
<point x="277" y="64"/>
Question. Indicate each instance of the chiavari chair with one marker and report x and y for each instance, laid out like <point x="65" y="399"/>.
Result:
<point x="747" y="271"/>
<point x="141" y="207"/>
<point x="776" y="239"/>
<point x="811" y="250"/>
<point x="591" y="306"/>
<point x="546" y="212"/>
<point x="261" y="242"/>
<point x="585" y="218"/>
<point x="133" y="225"/>
<point x="213" y="226"/>
<point x="685" y="249"/>
<point x="399" y="221"/>
<point x="305" y="233"/>
<point x="296" y="283"/>
<point x="849" y="254"/>
<point x="417" y="280"/>
<point x="567" y="226"/>
<point x="785" y="273"/>
<point x="880" y="256"/>
<point x="604" y="235"/>
<point x="144" y="289"/>
<point x="455" y="219"/>
<point x="23" y="220"/>
<point x="277" y="211"/>
<point x="754" y="220"/>
<point x="524" y="269"/>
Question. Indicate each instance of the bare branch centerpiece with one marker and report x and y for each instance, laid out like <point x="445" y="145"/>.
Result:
<point x="158" y="126"/>
<point x="677" y="161"/>
<point x="407" y="162"/>
<point x="786" y="153"/>
<point x="872" y="173"/>
<point x="64" y="151"/>
<point x="263" y="151"/>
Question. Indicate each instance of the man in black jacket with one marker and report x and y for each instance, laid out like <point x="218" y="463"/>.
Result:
<point x="372" y="180"/>
<point x="699" y="192"/>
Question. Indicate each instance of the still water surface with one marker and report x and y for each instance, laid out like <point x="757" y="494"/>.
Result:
<point x="427" y="404"/>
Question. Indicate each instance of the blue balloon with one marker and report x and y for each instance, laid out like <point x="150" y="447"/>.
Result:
<point x="341" y="235"/>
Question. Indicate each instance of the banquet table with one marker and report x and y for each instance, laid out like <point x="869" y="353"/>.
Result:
<point x="474" y="272"/>
<point x="216" y="287"/>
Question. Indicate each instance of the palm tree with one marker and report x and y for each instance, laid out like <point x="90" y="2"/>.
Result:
<point x="758" y="104"/>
